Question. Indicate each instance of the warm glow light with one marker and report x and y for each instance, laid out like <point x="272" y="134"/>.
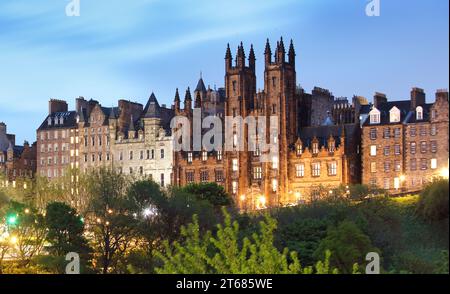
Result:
<point x="13" y="240"/>
<point x="99" y="220"/>
<point x="444" y="173"/>
<point x="110" y="211"/>
<point x="262" y="201"/>
<point x="402" y="178"/>
<point x="331" y="192"/>
<point x="242" y="197"/>
<point x="27" y="211"/>
<point x="298" y="195"/>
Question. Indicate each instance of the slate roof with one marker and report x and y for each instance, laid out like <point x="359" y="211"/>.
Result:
<point x="70" y="121"/>
<point x="322" y="133"/>
<point x="406" y="114"/>
<point x="200" y="86"/>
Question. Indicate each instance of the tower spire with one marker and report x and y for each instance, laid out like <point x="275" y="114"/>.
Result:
<point x="268" y="53"/>
<point x="291" y="53"/>
<point x="252" y="58"/>
<point x="228" y="58"/>
<point x="240" y="58"/>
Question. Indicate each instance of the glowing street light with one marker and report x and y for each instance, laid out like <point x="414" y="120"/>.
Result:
<point x="242" y="197"/>
<point x="444" y="173"/>
<point x="13" y="240"/>
<point x="402" y="178"/>
<point x="11" y="220"/>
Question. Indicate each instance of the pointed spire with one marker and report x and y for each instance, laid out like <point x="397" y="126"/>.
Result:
<point x="282" y="44"/>
<point x="281" y="52"/>
<point x="188" y="96"/>
<point x="240" y="58"/>
<point x="268" y="53"/>
<point x="200" y="85"/>
<point x="252" y="58"/>
<point x="291" y="53"/>
<point x="177" y="96"/>
<point x="228" y="58"/>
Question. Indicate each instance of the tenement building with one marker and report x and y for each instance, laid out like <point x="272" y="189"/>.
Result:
<point x="58" y="141"/>
<point x="313" y="151"/>
<point x="405" y="143"/>
<point x="16" y="162"/>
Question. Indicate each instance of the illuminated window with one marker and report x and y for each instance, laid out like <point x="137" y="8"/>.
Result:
<point x="189" y="159"/>
<point x="396" y="183"/>
<point x="394" y="115"/>
<point x="332" y="169"/>
<point x="204" y="156"/>
<point x="315" y="148"/>
<point x="274" y="185"/>
<point x="316" y="169"/>
<point x="219" y="155"/>
<point x="374" y="115"/>
<point x="300" y="170"/>
<point x="373" y="167"/>
<point x="234" y="187"/>
<point x="275" y="162"/>
<point x="373" y="150"/>
<point x="235" y="165"/>
<point x="257" y="173"/>
<point x="433" y="164"/>
<point x="413" y="147"/>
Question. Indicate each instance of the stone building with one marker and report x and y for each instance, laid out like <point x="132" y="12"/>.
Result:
<point x="16" y="161"/>
<point x="142" y="147"/>
<point x="304" y="118"/>
<point x="58" y="141"/>
<point x="405" y="143"/>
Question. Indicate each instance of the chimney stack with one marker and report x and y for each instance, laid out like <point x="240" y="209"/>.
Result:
<point x="55" y="105"/>
<point x="379" y="99"/>
<point x="417" y="97"/>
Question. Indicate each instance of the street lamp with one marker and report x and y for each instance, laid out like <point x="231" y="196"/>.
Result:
<point x="444" y="173"/>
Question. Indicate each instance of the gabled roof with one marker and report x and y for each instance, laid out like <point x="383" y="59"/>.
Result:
<point x="406" y="114"/>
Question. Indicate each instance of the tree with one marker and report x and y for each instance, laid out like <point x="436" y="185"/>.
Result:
<point x="211" y="192"/>
<point x="223" y="252"/>
<point x="111" y="217"/>
<point x="26" y="227"/>
<point x="433" y="201"/>
<point x="65" y="230"/>
<point x="348" y="244"/>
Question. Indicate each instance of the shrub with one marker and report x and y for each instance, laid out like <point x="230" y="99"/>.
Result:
<point x="433" y="201"/>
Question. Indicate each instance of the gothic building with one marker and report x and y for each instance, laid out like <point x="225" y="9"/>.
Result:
<point x="313" y="150"/>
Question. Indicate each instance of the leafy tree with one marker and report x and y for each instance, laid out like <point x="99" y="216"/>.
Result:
<point x="348" y="244"/>
<point x="433" y="201"/>
<point x="65" y="230"/>
<point x="211" y="192"/>
<point x="28" y="231"/>
<point x="223" y="252"/>
<point x="111" y="217"/>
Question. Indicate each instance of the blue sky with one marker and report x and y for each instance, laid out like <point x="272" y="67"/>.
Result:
<point x="126" y="49"/>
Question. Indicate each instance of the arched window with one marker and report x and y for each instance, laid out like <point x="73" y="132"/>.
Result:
<point x="419" y="113"/>
<point x="394" y="115"/>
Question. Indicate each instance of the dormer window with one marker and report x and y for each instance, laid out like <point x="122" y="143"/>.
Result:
<point x="299" y="149"/>
<point x="315" y="148"/>
<point x="394" y="115"/>
<point x="204" y="156"/>
<point x="331" y="146"/>
<point x="419" y="113"/>
<point x="189" y="159"/>
<point x="49" y="121"/>
<point x="61" y="120"/>
<point x="374" y="115"/>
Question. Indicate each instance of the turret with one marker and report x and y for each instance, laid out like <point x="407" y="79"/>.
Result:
<point x="240" y="58"/>
<point x="198" y="100"/>
<point x="188" y="101"/>
<point x="291" y="54"/>
<point x="252" y="59"/>
<point x="131" y="129"/>
<point x="177" y="102"/>
<point x="281" y="52"/>
<point x="228" y="58"/>
<point x="268" y="53"/>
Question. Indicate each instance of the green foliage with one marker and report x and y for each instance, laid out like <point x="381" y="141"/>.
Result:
<point x="223" y="252"/>
<point x="65" y="231"/>
<point x="348" y="244"/>
<point x="211" y="192"/>
<point x="433" y="201"/>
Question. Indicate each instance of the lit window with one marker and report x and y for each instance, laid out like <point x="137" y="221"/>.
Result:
<point x="274" y="185"/>
<point x="433" y="163"/>
<point x="189" y="157"/>
<point x="275" y="162"/>
<point x="219" y="155"/>
<point x="332" y="169"/>
<point x="396" y="183"/>
<point x="316" y="169"/>
<point x="300" y="170"/>
<point x="413" y="147"/>
<point x="373" y="167"/>
<point x="234" y="186"/>
<point x="204" y="156"/>
<point x="257" y="173"/>
<point x="235" y="165"/>
<point x="315" y="148"/>
<point x="299" y="149"/>
<point x="373" y="150"/>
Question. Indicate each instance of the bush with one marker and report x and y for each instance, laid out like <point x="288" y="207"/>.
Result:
<point x="433" y="202"/>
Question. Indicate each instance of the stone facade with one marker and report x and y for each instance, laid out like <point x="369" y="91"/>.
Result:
<point x="58" y="141"/>
<point x="255" y="184"/>
<point x="16" y="161"/>
<point x="405" y="143"/>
